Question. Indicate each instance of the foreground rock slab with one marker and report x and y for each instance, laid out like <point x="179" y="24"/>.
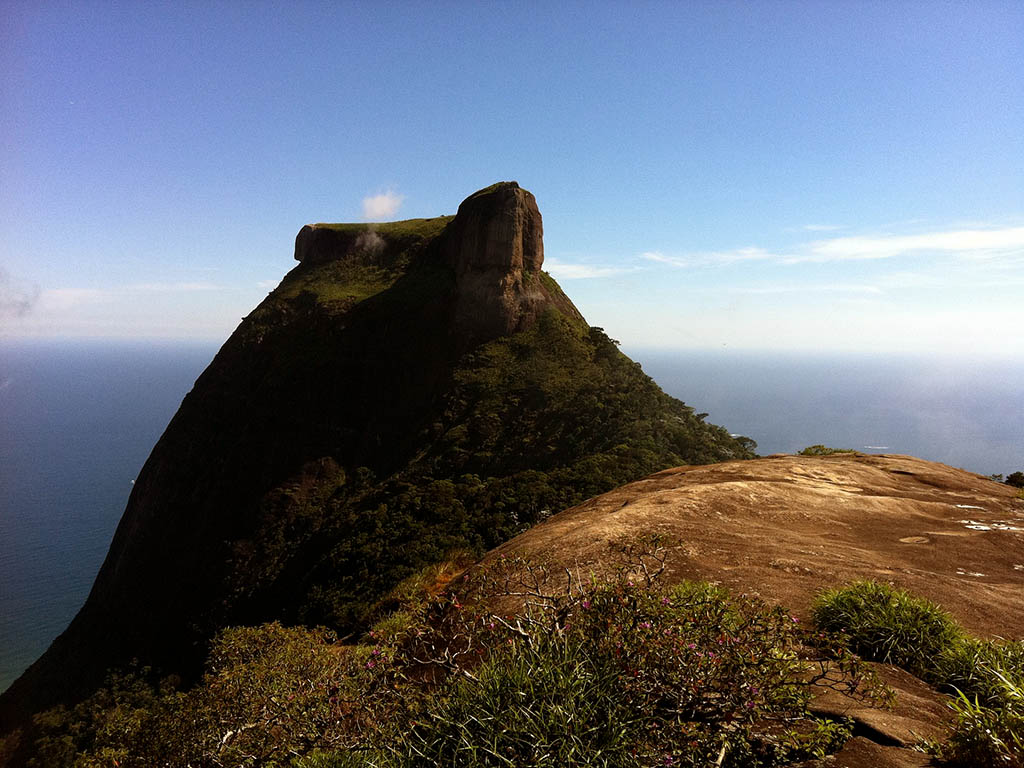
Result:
<point x="785" y="527"/>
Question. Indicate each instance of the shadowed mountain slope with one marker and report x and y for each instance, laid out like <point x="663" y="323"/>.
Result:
<point x="410" y="388"/>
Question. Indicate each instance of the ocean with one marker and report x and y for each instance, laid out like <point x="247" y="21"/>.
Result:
<point x="77" y="422"/>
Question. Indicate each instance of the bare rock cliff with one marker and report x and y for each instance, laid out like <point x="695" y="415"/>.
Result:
<point x="495" y="247"/>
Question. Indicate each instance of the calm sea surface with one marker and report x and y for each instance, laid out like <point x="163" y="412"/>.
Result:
<point x="77" y="421"/>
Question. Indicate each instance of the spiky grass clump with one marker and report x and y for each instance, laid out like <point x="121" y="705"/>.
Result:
<point x="978" y="668"/>
<point x="987" y="736"/>
<point x="883" y="623"/>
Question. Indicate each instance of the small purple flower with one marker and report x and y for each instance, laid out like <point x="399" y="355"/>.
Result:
<point x="586" y="604"/>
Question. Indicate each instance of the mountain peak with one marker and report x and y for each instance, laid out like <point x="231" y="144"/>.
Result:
<point x="495" y="247"/>
<point x="498" y="227"/>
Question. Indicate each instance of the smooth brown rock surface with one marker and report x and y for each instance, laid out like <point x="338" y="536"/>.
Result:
<point x="785" y="527"/>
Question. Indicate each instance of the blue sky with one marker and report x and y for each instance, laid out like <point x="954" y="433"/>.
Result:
<point x="843" y="176"/>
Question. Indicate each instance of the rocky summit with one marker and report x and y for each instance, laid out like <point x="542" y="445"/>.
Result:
<point x="409" y="389"/>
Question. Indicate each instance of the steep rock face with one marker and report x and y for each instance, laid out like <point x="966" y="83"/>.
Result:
<point x="495" y="246"/>
<point x="409" y="388"/>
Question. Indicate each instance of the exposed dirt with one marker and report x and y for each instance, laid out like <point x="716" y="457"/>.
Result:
<point x="785" y="527"/>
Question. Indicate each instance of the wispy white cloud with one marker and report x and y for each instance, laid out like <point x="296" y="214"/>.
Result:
<point x="977" y="243"/>
<point x="768" y="290"/>
<point x="172" y="287"/>
<point x="821" y="227"/>
<point x="269" y="284"/>
<point x="382" y="206"/>
<point x="998" y="246"/>
<point x="63" y="299"/>
<point x="562" y="270"/>
<point x="712" y="258"/>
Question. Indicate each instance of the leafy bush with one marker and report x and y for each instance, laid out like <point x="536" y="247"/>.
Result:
<point x="269" y="693"/>
<point x="622" y="673"/>
<point x="1015" y="478"/>
<point x="890" y="625"/>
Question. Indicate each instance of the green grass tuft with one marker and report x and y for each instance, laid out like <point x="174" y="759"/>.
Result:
<point x="889" y="625"/>
<point x="987" y="736"/>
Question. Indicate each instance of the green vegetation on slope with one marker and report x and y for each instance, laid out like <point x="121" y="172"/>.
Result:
<point x="380" y="255"/>
<point x="354" y="429"/>
<point x="532" y="423"/>
<point x="395" y="230"/>
<point x="625" y="672"/>
<point x="823" y="450"/>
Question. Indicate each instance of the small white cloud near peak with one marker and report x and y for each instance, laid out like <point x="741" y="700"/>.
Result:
<point x="382" y="206"/>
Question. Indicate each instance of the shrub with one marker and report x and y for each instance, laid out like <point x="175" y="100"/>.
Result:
<point x="823" y="450"/>
<point x="1015" y="478"/>
<point x="626" y="673"/>
<point x="986" y="677"/>
<point x="890" y="625"/>
<point x="542" y="703"/>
